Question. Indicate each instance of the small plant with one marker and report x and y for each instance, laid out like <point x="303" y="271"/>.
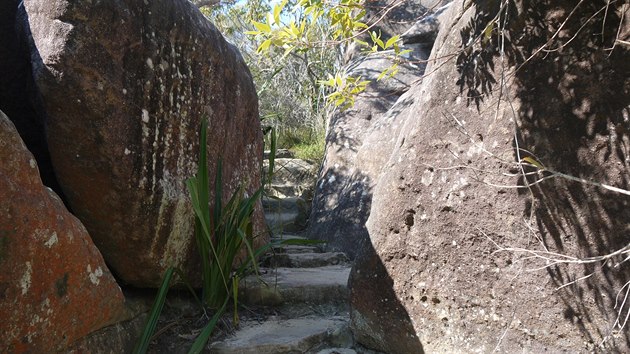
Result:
<point x="220" y="238"/>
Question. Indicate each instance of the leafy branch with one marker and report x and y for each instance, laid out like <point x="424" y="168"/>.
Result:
<point x="343" y="20"/>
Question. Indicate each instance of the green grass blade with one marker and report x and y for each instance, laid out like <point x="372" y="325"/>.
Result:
<point x="217" y="276"/>
<point x="272" y="155"/>
<point x="250" y="252"/>
<point x="183" y="277"/>
<point x="218" y="192"/>
<point x="202" y="168"/>
<point x="198" y="188"/>
<point x="201" y="211"/>
<point x="235" y="281"/>
<point x="202" y="339"/>
<point x="143" y="344"/>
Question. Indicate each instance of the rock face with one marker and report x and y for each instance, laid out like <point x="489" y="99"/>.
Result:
<point x="359" y="140"/>
<point x="125" y="86"/>
<point x="19" y="99"/>
<point x="54" y="286"/>
<point x="390" y="18"/>
<point x="448" y="196"/>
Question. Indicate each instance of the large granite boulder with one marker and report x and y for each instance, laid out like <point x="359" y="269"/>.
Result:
<point x="54" y="285"/>
<point x="452" y="193"/>
<point x="126" y="85"/>
<point x="343" y="193"/>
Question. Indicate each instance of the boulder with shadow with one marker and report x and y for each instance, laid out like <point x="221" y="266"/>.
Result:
<point x="455" y="219"/>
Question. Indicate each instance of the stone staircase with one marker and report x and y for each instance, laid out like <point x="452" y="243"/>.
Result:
<point x="306" y="290"/>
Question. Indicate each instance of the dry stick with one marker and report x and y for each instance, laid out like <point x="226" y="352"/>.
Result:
<point x="503" y="86"/>
<point x="582" y="180"/>
<point x="563" y="259"/>
<point x="507" y="327"/>
<point x="559" y="258"/>
<point x="625" y="299"/>
<point x="617" y="40"/>
<point x="461" y="128"/>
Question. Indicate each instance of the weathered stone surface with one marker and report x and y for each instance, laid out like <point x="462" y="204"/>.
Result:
<point x="292" y="178"/>
<point x="426" y="28"/>
<point x="120" y="337"/>
<point x="297" y="285"/>
<point x="301" y="335"/>
<point x="296" y="249"/>
<point x="54" y="286"/>
<point x="448" y="190"/>
<point x="126" y="85"/>
<point x="337" y="351"/>
<point x="304" y="260"/>
<point x="359" y="141"/>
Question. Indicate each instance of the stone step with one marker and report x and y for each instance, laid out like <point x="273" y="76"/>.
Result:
<point x="300" y="335"/>
<point x="289" y="203"/>
<point x="296" y="249"/>
<point x="304" y="260"/>
<point x="297" y="285"/>
<point x="285" y="221"/>
<point x="287" y="236"/>
<point x="293" y="249"/>
<point x="287" y="190"/>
